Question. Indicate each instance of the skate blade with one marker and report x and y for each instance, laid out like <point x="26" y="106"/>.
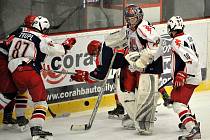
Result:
<point x="144" y="132"/>
<point x="42" y="138"/>
<point x="129" y="127"/>
<point x="116" y="117"/>
<point x="196" y="137"/>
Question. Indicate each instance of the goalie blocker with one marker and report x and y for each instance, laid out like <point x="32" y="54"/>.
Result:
<point x="141" y="105"/>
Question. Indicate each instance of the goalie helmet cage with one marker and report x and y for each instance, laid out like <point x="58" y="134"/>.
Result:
<point x="100" y="95"/>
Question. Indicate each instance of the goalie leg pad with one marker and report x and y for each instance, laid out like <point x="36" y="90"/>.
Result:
<point x="146" y="101"/>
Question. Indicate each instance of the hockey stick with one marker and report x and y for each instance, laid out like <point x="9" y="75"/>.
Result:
<point x="58" y="116"/>
<point x="171" y="80"/>
<point x="166" y="83"/>
<point x="100" y="95"/>
<point x="51" y="113"/>
<point x="62" y="72"/>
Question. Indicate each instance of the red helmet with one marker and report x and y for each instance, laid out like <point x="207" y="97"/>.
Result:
<point x="29" y="20"/>
<point x="94" y="47"/>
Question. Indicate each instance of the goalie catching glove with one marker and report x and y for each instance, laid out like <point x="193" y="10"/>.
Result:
<point x="180" y="79"/>
<point x="68" y="43"/>
<point x="140" y="60"/>
<point x="117" y="39"/>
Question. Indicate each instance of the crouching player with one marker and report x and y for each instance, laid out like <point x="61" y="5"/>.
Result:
<point x="104" y="54"/>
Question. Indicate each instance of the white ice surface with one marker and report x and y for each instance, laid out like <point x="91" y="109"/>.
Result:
<point x="107" y="129"/>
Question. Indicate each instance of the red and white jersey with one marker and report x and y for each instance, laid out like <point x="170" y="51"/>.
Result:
<point x="185" y="58"/>
<point x="145" y="36"/>
<point x="33" y="46"/>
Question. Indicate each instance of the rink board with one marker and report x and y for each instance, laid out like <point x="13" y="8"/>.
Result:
<point x="107" y="101"/>
<point x="79" y="59"/>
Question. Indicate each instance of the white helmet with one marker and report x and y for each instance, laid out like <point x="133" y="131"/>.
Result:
<point x="42" y="24"/>
<point x="175" y="23"/>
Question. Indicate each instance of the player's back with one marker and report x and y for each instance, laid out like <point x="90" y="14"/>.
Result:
<point x="24" y="48"/>
<point x="185" y="47"/>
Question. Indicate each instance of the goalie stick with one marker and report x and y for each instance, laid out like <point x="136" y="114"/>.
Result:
<point x="100" y="95"/>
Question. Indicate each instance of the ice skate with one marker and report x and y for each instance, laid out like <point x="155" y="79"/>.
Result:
<point x="181" y="126"/>
<point x="128" y="123"/>
<point x="22" y="123"/>
<point x="8" y="121"/>
<point x="142" y="129"/>
<point x="117" y="113"/>
<point x="194" y="134"/>
<point x="38" y="134"/>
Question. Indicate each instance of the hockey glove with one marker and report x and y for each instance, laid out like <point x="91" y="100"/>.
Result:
<point x="131" y="57"/>
<point x="80" y="76"/>
<point x="180" y="79"/>
<point x="68" y="43"/>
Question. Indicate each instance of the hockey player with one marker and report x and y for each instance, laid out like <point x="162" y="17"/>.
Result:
<point x="28" y="49"/>
<point x="186" y="73"/>
<point x="103" y="56"/>
<point x="9" y="90"/>
<point x="141" y="76"/>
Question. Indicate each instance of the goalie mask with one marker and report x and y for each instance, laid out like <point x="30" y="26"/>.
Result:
<point x="94" y="47"/>
<point x="41" y="24"/>
<point x="175" y="23"/>
<point x="133" y="15"/>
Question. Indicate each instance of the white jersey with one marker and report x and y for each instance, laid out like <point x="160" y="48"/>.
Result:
<point x="146" y="37"/>
<point x="185" y="57"/>
<point x="30" y="46"/>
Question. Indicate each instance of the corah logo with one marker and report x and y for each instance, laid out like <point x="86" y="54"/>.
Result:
<point x="50" y="76"/>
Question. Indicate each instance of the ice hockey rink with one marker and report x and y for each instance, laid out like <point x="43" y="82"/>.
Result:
<point x="109" y="129"/>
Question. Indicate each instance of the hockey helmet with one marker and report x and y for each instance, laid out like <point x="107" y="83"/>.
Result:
<point x="29" y="20"/>
<point x="41" y="24"/>
<point x="94" y="47"/>
<point x="133" y="15"/>
<point x="175" y="23"/>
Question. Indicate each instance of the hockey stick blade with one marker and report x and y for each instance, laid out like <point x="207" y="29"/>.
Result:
<point x="63" y="72"/>
<point x="79" y="127"/>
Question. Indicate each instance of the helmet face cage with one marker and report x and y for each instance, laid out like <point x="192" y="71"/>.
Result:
<point x="42" y="24"/>
<point x="132" y="11"/>
<point x="175" y="23"/>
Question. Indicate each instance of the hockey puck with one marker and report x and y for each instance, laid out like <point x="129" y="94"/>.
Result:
<point x="86" y="103"/>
